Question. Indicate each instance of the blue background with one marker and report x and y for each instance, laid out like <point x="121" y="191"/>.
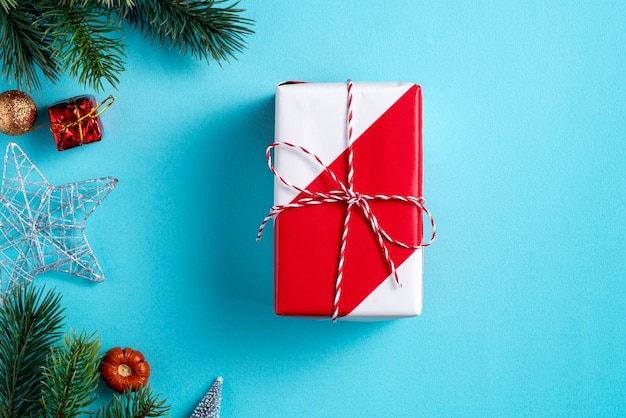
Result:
<point x="525" y="172"/>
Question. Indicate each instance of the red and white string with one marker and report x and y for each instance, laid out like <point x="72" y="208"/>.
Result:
<point x="345" y="194"/>
<point x="351" y="202"/>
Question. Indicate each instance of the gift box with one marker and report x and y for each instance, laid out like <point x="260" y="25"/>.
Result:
<point x="75" y="122"/>
<point x="384" y="125"/>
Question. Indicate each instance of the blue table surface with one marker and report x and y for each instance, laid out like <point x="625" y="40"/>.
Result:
<point x="525" y="172"/>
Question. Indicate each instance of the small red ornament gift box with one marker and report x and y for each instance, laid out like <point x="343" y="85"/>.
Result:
<point x="76" y="121"/>
<point x="348" y="218"/>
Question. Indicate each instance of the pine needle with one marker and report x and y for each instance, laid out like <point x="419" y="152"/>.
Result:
<point x="8" y="4"/>
<point x="116" y="3"/>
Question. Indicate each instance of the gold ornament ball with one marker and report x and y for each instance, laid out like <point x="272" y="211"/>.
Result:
<point x="18" y="112"/>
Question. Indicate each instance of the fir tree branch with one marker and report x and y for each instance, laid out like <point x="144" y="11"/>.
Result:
<point x="24" y="46"/>
<point x="200" y="28"/>
<point x="80" y="39"/>
<point x="71" y="376"/>
<point x="79" y="36"/>
<point x="140" y="404"/>
<point x="30" y="321"/>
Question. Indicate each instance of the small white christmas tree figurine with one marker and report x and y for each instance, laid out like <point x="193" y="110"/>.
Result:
<point x="209" y="406"/>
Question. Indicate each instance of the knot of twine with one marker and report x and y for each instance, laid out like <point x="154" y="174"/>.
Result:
<point x="345" y="194"/>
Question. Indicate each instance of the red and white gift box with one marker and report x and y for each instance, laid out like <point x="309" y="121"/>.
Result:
<point x="387" y="161"/>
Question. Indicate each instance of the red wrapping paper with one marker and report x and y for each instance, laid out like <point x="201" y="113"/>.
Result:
<point x="74" y="122"/>
<point x="387" y="160"/>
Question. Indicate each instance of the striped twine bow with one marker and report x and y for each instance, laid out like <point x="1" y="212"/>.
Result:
<point x="346" y="194"/>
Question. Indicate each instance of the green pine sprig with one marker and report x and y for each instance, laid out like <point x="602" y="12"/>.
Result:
<point x="25" y="47"/>
<point x="82" y="42"/>
<point x="140" y="404"/>
<point x="203" y="29"/>
<point x="70" y="377"/>
<point x="30" y="322"/>
<point x="82" y="37"/>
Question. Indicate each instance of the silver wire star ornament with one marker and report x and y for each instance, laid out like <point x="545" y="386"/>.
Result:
<point x="209" y="406"/>
<point x="43" y="226"/>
